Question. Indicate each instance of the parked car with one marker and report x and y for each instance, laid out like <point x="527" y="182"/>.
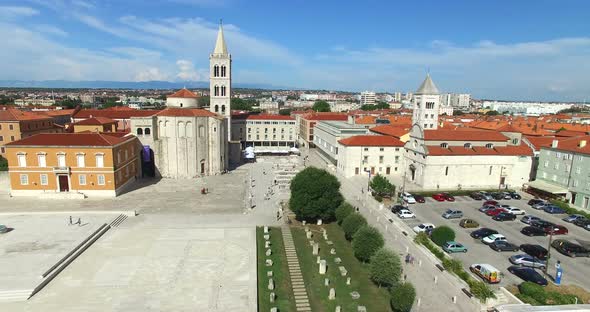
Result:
<point x="528" y="275"/>
<point x="468" y="223"/>
<point x="536" y="251"/>
<point x="408" y="198"/>
<point x="485" y="208"/>
<point x="452" y="214"/>
<point x="493" y="238"/>
<point x="498" y="195"/>
<point x="507" y="195"/>
<point x="515" y="195"/>
<point x="486" y="196"/>
<point x="533" y="231"/>
<point x="504" y="216"/>
<point x="529" y="219"/>
<point x="453" y="246"/>
<point x="542" y="224"/>
<point x="397" y="208"/>
<point x="557" y="230"/>
<point x="490" y="202"/>
<point x="483" y="232"/>
<point x="514" y="210"/>
<point x="573" y="218"/>
<point x="502" y="245"/>
<point x="528" y="261"/>
<point x="495" y="212"/>
<point x="476" y="195"/>
<point x="487" y="272"/>
<point x="438" y="197"/>
<point x="552" y="209"/>
<point x="570" y="249"/>
<point x="448" y="197"/>
<point x="535" y="201"/>
<point x="423" y="227"/>
<point x="540" y="206"/>
<point x="406" y="214"/>
<point x="3" y="229"/>
<point x="582" y="223"/>
<point x="419" y="198"/>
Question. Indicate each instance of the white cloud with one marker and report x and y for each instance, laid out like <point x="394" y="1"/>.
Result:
<point x="51" y="30"/>
<point x="151" y="74"/>
<point x="10" y="12"/>
<point x="84" y="4"/>
<point x="187" y="72"/>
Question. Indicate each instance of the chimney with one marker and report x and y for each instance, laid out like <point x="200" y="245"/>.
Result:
<point x="582" y="143"/>
<point x="351" y="119"/>
<point x="554" y="143"/>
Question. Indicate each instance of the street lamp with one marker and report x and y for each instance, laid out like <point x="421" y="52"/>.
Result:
<point x="549" y="248"/>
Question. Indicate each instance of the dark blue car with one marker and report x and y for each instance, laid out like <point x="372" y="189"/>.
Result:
<point x="552" y="209"/>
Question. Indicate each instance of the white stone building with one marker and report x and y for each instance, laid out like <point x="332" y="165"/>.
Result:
<point x="182" y="98"/>
<point x="377" y="154"/>
<point x="327" y="133"/>
<point x="441" y="159"/>
<point x="270" y="133"/>
<point x="368" y="98"/>
<point x="220" y="63"/>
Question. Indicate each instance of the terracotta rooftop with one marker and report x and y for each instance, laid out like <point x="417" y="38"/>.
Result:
<point x="71" y="139"/>
<point x="371" y="140"/>
<point x="185" y="112"/>
<point x="95" y="121"/>
<point x="269" y="117"/>
<point x="577" y="145"/>
<point x="183" y="93"/>
<point x="390" y="130"/>
<point x="113" y="114"/>
<point x="12" y="114"/>
<point x="510" y="150"/>
<point x="453" y="135"/>
<point x="326" y="116"/>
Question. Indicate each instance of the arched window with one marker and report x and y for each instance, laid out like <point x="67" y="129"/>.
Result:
<point x="223" y="109"/>
<point x="180" y="104"/>
<point x="147" y="131"/>
<point x="444" y="145"/>
<point x="216" y="108"/>
<point x="223" y="71"/>
<point x="467" y="145"/>
<point x="216" y="91"/>
<point x="222" y="90"/>
<point x="489" y="145"/>
<point x="216" y="71"/>
<point x="139" y="131"/>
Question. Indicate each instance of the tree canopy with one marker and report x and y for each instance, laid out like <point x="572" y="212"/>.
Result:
<point x="203" y="101"/>
<point x="366" y="242"/>
<point x="321" y="106"/>
<point x="402" y="297"/>
<point x="442" y="234"/>
<point x="379" y="105"/>
<point x="492" y="113"/>
<point x="380" y="185"/>
<point x="386" y="268"/>
<point x="343" y="211"/>
<point x="352" y="224"/>
<point x="315" y="194"/>
<point x="241" y="104"/>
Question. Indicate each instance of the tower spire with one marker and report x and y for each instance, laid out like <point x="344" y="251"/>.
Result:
<point x="220" y="47"/>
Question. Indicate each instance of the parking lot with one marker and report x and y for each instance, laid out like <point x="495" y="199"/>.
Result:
<point x="575" y="270"/>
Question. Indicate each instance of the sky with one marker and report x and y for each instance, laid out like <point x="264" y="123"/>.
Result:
<point x="503" y="49"/>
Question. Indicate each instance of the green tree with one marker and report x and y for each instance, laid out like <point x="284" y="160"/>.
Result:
<point x="458" y="113"/>
<point x="386" y="268"/>
<point x="382" y="105"/>
<point x="321" y="106"/>
<point x="315" y="194"/>
<point x="492" y="113"/>
<point x="402" y="297"/>
<point x="241" y="104"/>
<point x="352" y="224"/>
<point x="204" y="101"/>
<point x="285" y="111"/>
<point x="343" y="211"/>
<point x="366" y="241"/>
<point x="3" y="164"/>
<point x="68" y="103"/>
<point x="380" y="185"/>
<point x="442" y="234"/>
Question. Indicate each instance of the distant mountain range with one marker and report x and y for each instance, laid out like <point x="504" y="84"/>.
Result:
<point x="99" y="84"/>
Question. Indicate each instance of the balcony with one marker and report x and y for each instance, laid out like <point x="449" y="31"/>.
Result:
<point x="65" y="170"/>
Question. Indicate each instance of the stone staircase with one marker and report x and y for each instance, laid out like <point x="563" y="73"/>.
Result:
<point x="297" y="282"/>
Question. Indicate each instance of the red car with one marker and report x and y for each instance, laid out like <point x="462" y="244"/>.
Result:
<point x="490" y="202"/>
<point x="439" y="197"/>
<point x="557" y="230"/>
<point x="448" y="197"/>
<point x="494" y="212"/>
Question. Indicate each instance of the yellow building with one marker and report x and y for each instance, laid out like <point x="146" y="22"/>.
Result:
<point x="16" y="124"/>
<point x="92" y="164"/>
<point x="96" y="124"/>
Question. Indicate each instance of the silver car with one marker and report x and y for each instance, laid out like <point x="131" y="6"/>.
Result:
<point x="529" y="219"/>
<point x="528" y="261"/>
<point x="452" y="214"/>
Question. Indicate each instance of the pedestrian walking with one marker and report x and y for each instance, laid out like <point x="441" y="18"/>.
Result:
<point x="71" y="222"/>
<point x="408" y="258"/>
<point x="411" y="260"/>
<point x="79" y="222"/>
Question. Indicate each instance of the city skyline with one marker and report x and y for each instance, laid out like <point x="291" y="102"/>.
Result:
<point x="537" y="53"/>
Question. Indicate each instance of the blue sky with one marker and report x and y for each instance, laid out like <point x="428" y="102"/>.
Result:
<point x="533" y="50"/>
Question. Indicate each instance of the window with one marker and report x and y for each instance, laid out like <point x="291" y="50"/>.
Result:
<point x="99" y="160"/>
<point x="119" y="157"/>
<point x="381" y="149"/>
<point x="82" y="179"/>
<point x="447" y="170"/>
<point x="467" y="145"/>
<point x="578" y="170"/>
<point x="10" y="127"/>
<point x="554" y="178"/>
<point x="61" y="160"/>
<point x="490" y="173"/>
<point x="100" y="179"/>
<point x="139" y="131"/>
<point x="544" y="175"/>
<point x="489" y="145"/>
<point x="365" y="159"/>
<point x="366" y="149"/>
<point x="557" y="154"/>
<point x="556" y="166"/>
<point x="567" y="168"/>
<point x="22" y="160"/>
<point x="147" y="131"/>
<point x="223" y="71"/>
<point x="575" y="184"/>
<point x="380" y="159"/>
<point x="43" y="179"/>
<point x="41" y="160"/>
<point x="126" y="171"/>
<point x="127" y="153"/>
<point x="80" y="160"/>
<point x="12" y="138"/>
<point x="1" y="138"/>
<point x="24" y="179"/>
<point x="444" y="145"/>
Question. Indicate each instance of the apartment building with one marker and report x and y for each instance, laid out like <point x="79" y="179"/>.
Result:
<point x="374" y="154"/>
<point x="368" y="98"/>
<point x="307" y="122"/>
<point x="270" y="133"/>
<point x="16" y="124"/>
<point x="88" y="164"/>
<point x="328" y="133"/>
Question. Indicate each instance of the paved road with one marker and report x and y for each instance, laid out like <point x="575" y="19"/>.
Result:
<point x="576" y="270"/>
<point x="433" y="297"/>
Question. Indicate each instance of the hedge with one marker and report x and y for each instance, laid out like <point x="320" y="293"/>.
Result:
<point x="459" y="192"/>
<point x="352" y="223"/>
<point x="568" y="209"/>
<point x="343" y="211"/>
<point x="366" y="242"/>
<point x="442" y="234"/>
<point x="537" y="295"/>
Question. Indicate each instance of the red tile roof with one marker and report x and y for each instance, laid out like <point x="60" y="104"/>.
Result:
<point x="183" y="93"/>
<point x="71" y="139"/>
<point x="113" y="114"/>
<point x="396" y="132"/>
<point x="269" y="117"/>
<point x="94" y="121"/>
<point x="325" y="116"/>
<point x="577" y="145"/>
<point x="453" y="135"/>
<point x="185" y="112"/>
<point x="371" y="140"/>
<point x="510" y="150"/>
<point x="539" y="142"/>
<point x="12" y="114"/>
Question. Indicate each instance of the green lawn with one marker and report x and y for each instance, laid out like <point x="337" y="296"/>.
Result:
<point x="374" y="298"/>
<point x="284" y="300"/>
